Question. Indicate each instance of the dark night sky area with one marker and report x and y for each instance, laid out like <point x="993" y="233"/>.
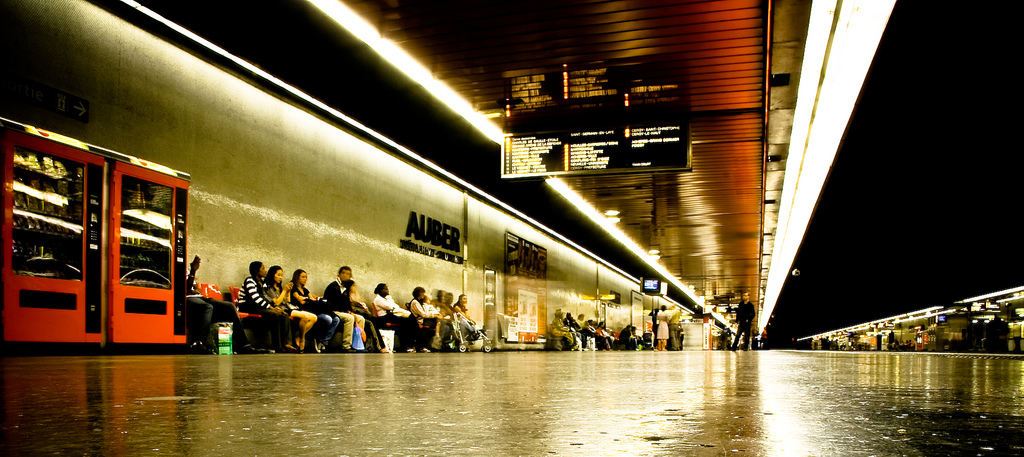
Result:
<point x="923" y="204"/>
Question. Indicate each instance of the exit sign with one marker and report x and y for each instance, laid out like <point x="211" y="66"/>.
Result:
<point x="43" y="96"/>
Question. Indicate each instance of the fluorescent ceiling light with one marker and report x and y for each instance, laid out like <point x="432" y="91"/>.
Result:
<point x="719" y="318"/>
<point x="919" y="314"/>
<point x="991" y="295"/>
<point x="677" y="304"/>
<point x="406" y="64"/>
<point x="611" y="213"/>
<point x="609" y="227"/>
<point x="837" y="55"/>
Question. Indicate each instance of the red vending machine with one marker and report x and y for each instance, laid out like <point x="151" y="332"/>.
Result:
<point x="51" y="279"/>
<point x="93" y="243"/>
<point x="147" y="254"/>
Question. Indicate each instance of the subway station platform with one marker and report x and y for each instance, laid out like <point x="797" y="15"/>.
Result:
<point x="515" y="403"/>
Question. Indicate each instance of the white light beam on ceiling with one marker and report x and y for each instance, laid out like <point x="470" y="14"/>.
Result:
<point x="408" y="65"/>
<point x="837" y="55"/>
<point x="559" y="186"/>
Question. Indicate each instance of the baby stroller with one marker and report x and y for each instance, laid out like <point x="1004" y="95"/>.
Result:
<point x="459" y="340"/>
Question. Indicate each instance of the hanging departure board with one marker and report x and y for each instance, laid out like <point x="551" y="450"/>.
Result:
<point x="596" y="151"/>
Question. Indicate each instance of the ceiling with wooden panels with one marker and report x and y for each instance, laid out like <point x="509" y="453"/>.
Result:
<point x="698" y="61"/>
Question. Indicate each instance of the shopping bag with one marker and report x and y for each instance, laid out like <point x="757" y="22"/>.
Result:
<point x="388" y="339"/>
<point x="357" y="339"/>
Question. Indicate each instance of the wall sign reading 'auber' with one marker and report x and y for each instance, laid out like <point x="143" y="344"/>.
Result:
<point x="435" y="232"/>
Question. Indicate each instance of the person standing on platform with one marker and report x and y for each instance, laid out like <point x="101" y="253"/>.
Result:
<point x="674" y="327"/>
<point x="663" y="329"/>
<point x="654" y="326"/>
<point x="745" y="316"/>
<point x="995" y="335"/>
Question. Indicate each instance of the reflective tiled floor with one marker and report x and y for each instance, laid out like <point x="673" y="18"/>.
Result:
<point x="531" y="403"/>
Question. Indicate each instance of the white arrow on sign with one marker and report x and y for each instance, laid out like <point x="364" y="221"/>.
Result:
<point x="80" y="108"/>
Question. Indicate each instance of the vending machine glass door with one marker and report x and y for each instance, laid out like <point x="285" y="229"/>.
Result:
<point x="145" y="233"/>
<point x="143" y="307"/>
<point x="47" y="218"/>
<point x="49" y="191"/>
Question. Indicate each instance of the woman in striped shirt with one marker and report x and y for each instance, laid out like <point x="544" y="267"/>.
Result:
<point x="252" y="301"/>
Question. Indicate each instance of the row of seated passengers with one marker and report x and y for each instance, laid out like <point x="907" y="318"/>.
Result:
<point x="576" y="334"/>
<point x="288" y="311"/>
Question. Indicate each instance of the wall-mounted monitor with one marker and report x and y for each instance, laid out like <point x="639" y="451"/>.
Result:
<point x="651" y="286"/>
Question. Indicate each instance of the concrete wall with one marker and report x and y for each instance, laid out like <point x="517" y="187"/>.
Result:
<point x="270" y="180"/>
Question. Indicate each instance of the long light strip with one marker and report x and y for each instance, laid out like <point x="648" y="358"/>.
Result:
<point x="677" y="304"/>
<point x="720" y="318"/>
<point x="993" y="294"/>
<point x="717" y="316"/>
<point x="405" y="63"/>
<point x="837" y="55"/>
<point x="559" y="186"/>
<point x="937" y="313"/>
<point x="926" y="312"/>
<point x="373" y="134"/>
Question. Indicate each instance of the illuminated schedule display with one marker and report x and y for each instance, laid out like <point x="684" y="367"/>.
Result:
<point x="621" y="150"/>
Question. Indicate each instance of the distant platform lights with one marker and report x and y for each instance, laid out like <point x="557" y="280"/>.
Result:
<point x="841" y="41"/>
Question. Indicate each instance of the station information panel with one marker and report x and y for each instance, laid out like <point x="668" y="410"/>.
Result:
<point x="597" y="151"/>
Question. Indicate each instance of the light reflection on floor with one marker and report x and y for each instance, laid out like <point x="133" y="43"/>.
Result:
<point x="531" y="403"/>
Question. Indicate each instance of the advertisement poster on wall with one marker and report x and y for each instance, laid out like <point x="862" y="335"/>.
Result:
<point x="526" y="266"/>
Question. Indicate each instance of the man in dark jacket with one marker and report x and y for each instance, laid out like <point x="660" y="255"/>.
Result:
<point x="745" y="316"/>
<point x="995" y="335"/>
<point x="341" y="307"/>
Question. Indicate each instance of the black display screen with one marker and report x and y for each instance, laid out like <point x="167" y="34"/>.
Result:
<point x="651" y="286"/>
<point x="594" y="151"/>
